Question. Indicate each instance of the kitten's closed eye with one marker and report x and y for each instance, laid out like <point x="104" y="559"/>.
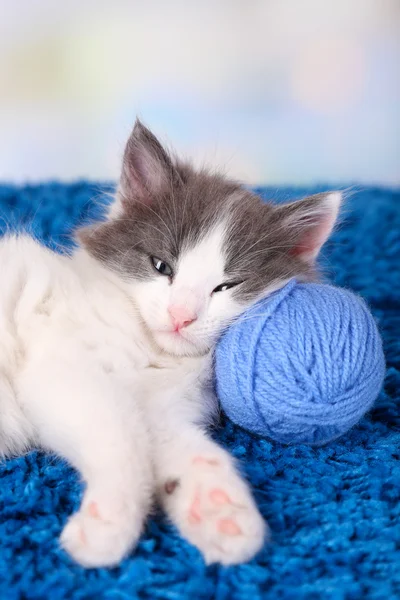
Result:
<point x="226" y="286"/>
<point x="161" y="267"/>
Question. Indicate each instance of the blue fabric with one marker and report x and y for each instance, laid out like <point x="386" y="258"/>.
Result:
<point x="302" y="366"/>
<point x="334" y="511"/>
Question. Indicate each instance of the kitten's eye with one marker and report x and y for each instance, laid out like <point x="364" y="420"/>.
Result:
<point x="162" y="267"/>
<point x="225" y="286"/>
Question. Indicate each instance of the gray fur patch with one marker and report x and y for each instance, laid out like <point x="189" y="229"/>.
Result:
<point x="168" y="207"/>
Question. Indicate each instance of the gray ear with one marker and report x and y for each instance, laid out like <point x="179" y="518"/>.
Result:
<point x="309" y="223"/>
<point x="147" y="169"/>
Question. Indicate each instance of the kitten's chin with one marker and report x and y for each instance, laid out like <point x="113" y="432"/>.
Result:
<point x="174" y="343"/>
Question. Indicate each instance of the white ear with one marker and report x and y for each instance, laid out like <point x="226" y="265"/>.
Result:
<point x="311" y="222"/>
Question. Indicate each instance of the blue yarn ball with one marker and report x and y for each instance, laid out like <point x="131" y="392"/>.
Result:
<point x="302" y="366"/>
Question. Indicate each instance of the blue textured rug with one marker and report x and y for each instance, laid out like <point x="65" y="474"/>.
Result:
<point x="334" y="511"/>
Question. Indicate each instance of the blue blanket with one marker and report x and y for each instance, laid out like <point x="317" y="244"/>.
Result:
<point x="334" y="511"/>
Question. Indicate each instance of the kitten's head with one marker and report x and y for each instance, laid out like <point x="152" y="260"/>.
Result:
<point x="196" y="248"/>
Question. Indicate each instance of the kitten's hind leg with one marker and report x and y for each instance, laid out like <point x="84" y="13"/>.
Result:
<point x="85" y="416"/>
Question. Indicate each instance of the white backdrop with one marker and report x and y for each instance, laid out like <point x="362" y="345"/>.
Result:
<point x="277" y="91"/>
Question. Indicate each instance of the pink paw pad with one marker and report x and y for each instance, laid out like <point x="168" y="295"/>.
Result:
<point x="93" y="510"/>
<point x="194" y="513"/>
<point x="229" y="527"/>
<point x="201" y="460"/>
<point x="218" y="496"/>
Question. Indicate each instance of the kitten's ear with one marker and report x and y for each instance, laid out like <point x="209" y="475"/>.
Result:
<point x="309" y="223"/>
<point x="147" y="169"/>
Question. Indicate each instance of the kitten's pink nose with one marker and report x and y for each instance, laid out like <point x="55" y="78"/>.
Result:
<point x="181" y="316"/>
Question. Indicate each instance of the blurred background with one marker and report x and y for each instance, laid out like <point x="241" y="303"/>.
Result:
<point x="274" y="91"/>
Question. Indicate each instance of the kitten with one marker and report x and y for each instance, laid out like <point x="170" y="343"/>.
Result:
<point x="105" y="355"/>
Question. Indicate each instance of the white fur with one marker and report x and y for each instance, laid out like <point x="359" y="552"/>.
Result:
<point x="90" y="369"/>
<point x="200" y="270"/>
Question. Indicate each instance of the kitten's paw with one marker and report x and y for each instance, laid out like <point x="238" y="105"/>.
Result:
<point x="215" y="511"/>
<point x="94" y="537"/>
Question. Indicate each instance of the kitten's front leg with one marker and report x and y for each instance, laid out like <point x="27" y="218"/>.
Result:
<point x="83" y="414"/>
<point x="200" y="488"/>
